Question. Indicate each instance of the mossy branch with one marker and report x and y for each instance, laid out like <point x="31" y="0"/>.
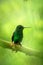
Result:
<point x="27" y="51"/>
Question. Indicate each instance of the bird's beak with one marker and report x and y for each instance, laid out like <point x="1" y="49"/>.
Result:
<point x="27" y="27"/>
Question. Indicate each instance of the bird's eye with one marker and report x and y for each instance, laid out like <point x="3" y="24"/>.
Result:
<point x="19" y="28"/>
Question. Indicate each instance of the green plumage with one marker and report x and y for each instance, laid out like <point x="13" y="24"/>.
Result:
<point x="18" y="35"/>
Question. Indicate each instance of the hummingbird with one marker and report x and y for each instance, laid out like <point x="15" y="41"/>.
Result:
<point x="17" y="36"/>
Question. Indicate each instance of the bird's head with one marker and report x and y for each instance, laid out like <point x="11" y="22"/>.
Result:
<point x="20" y="27"/>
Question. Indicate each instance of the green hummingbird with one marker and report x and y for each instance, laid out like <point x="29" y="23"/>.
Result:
<point x="17" y="36"/>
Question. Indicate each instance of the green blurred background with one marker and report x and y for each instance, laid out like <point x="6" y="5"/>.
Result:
<point x="26" y="13"/>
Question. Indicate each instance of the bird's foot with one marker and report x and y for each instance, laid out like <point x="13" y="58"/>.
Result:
<point x="12" y="45"/>
<point x="20" y="44"/>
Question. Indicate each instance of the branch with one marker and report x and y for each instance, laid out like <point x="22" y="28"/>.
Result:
<point x="26" y="50"/>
